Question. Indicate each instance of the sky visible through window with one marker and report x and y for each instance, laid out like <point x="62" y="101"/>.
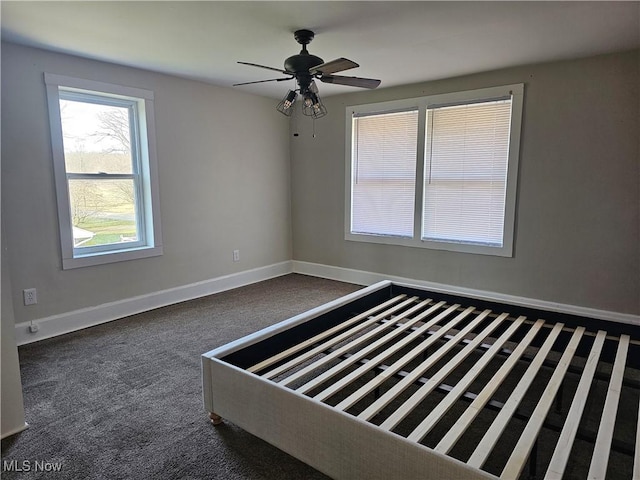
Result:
<point x="81" y="124"/>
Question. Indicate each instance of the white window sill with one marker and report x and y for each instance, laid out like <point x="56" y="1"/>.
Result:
<point x="110" y="257"/>
<point x="478" y="249"/>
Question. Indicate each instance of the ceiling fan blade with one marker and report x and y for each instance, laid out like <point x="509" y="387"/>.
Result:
<point x="268" y="68"/>
<point x="350" y="81"/>
<point x="263" y="81"/>
<point x="337" y="65"/>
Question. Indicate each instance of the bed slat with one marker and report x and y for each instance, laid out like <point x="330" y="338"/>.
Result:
<point x="465" y="382"/>
<point x="442" y="373"/>
<point x="521" y="452"/>
<point x="401" y="327"/>
<point x="494" y="432"/>
<point x="419" y="371"/>
<point x="327" y="333"/>
<point x="558" y="463"/>
<point x="395" y="367"/>
<point x="353" y="343"/>
<point x="600" y="458"/>
<point x="311" y="384"/>
<point x="461" y="425"/>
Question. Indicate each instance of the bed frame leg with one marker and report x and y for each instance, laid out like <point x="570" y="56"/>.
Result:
<point x="215" y="418"/>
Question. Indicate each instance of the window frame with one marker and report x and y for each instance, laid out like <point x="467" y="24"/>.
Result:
<point x="422" y="104"/>
<point x="144" y="169"/>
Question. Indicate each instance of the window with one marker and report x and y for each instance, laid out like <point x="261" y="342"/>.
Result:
<point x="103" y="145"/>
<point x="436" y="172"/>
<point x="384" y="174"/>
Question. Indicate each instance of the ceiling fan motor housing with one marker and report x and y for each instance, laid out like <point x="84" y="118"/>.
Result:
<point x="301" y="64"/>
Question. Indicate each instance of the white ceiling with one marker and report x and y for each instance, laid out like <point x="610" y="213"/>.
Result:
<point x="397" y="42"/>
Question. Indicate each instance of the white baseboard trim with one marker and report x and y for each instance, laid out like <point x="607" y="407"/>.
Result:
<point x="87" y="317"/>
<point x="13" y="431"/>
<point x="361" y="277"/>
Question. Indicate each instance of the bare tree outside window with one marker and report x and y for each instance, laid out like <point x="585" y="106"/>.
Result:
<point x="114" y="126"/>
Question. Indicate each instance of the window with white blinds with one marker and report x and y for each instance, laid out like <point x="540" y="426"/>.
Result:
<point x="435" y="172"/>
<point x="466" y="161"/>
<point x="384" y="173"/>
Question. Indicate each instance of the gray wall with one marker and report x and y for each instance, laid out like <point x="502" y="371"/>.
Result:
<point x="12" y="409"/>
<point x="224" y="184"/>
<point x="577" y="225"/>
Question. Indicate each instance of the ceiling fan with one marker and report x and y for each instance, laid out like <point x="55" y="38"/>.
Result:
<point x="305" y="68"/>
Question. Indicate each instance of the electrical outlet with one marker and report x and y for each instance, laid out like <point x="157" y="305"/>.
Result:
<point x="236" y="255"/>
<point x="30" y="296"/>
<point x="34" y="327"/>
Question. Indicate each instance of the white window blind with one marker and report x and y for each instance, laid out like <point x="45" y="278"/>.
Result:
<point x="465" y="179"/>
<point x="384" y="173"/>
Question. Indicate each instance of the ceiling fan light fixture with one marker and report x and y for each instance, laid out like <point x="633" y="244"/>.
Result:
<point x="304" y="67"/>
<point x="286" y="104"/>
<point x="312" y="106"/>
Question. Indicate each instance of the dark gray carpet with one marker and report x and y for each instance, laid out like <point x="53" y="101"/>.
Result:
<point x="123" y="400"/>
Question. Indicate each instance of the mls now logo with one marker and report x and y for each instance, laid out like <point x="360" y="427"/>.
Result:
<point x="29" y="466"/>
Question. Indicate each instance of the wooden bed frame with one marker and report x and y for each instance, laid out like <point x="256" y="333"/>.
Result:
<point x="395" y="381"/>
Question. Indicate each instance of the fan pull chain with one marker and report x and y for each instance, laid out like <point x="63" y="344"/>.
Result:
<point x="296" y="123"/>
